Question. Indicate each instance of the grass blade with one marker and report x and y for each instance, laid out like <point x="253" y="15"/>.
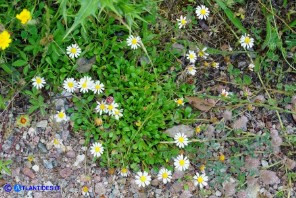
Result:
<point x="236" y="22"/>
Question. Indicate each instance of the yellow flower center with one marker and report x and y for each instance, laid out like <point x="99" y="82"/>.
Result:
<point x="110" y="107"/>
<point x="85" y="189"/>
<point x="143" y="178"/>
<point x="73" y="50"/>
<point x="124" y="170"/>
<point x="179" y="101"/>
<point x="247" y="40"/>
<point x="181" y="139"/>
<point x="183" y="21"/>
<point x="102" y="107"/>
<point x="190" y="68"/>
<point x="203" y="11"/>
<point x="61" y="115"/>
<point x="191" y="56"/>
<point x="70" y="84"/>
<point x="116" y="112"/>
<point x="56" y="141"/>
<point x="97" y="87"/>
<point x="182" y="162"/>
<point x="38" y="80"/>
<point x="200" y="179"/>
<point x="134" y="41"/>
<point x="97" y="149"/>
<point x="165" y="175"/>
<point x="84" y="85"/>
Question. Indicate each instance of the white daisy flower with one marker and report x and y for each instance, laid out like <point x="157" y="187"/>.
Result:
<point x="202" y="53"/>
<point x="143" y="179"/>
<point x="111" y="108"/>
<point x="117" y="113"/>
<point x="201" y="180"/>
<point x="61" y="116"/>
<point x="38" y="82"/>
<point x="85" y="191"/>
<point x="251" y="67"/>
<point x="246" y="41"/>
<point x="224" y="93"/>
<point x="58" y="143"/>
<point x="182" y="22"/>
<point x="180" y="101"/>
<point x="202" y="12"/>
<point x="134" y="42"/>
<point x="181" y="163"/>
<point x="97" y="149"/>
<point x="98" y="87"/>
<point x="85" y="84"/>
<point x="191" y="56"/>
<point x="215" y="65"/>
<point x="181" y="140"/>
<point x="165" y="175"/>
<point x="101" y="107"/>
<point x="124" y="172"/>
<point x="73" y="51"/>
<point x="70" y="85"/>
<point x="191" y="70"/>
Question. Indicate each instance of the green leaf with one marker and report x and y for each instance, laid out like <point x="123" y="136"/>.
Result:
<point x="19" y="63"/>
<point x="87" y="8"/>
<point x="236" y="22"/>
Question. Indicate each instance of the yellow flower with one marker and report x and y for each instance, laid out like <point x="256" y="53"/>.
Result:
<point x="30" y="158"/>
<point x="98" y="121"/>
<point x="25" y="16"/>
<point x="5" y="40"/>
<point x="23" y="120"/>
<point x="197" y="129"/>
<point x="202" y="168"/>
<point x="222" y="157"/>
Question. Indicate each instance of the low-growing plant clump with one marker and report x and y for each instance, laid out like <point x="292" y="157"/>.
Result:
<point x="198" y="88"/>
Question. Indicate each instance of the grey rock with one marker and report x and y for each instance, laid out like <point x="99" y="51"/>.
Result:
<point x="42" y="124"/>
<point x="242" y="64"/>
<point x="158" y="191"/>
<point x="42" y="147"/>
<point x="66" y="94"/>
<point x="155" y="182"/>
<point x="121" y="181"/>
<point x="71" y="154"/>
<point x="28" y="173"/>
<point x="65" y="135"/>
<point x="59" y="104"/>
<point x="176" y="187"/>
<point x="187" y="130"/>
<point x="178" y="174"/>
<point x="28" y="164"/>
<point x="100" y="189"/>
<point x="17" y="147"/>
<point x="65" y="172"/>
<point x="84" y="65"/>
<point x="48" y="164"/>
<point x="186" y="194"/>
